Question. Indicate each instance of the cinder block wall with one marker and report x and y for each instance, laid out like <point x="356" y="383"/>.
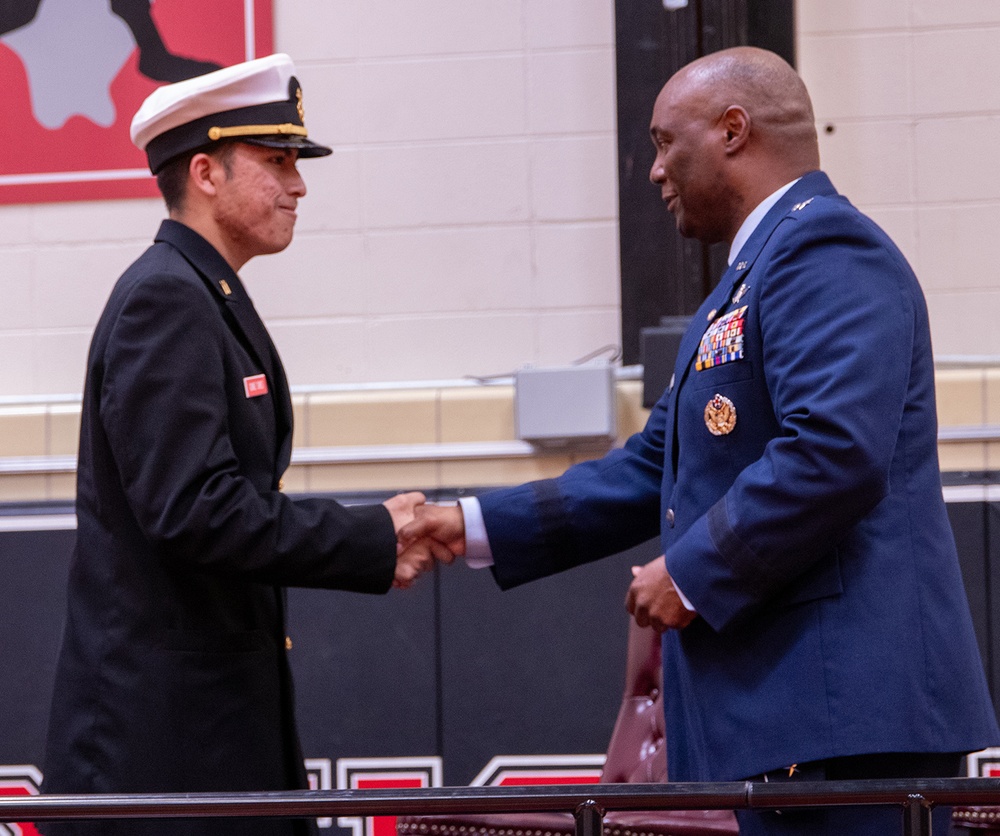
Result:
<point x="437" y="437"/>
<point x="467" y="224"/>
<point x="909" y="117"/>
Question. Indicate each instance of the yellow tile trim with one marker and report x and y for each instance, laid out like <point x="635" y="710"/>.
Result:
<point x="38" y="440"/>
<point x="961" y="397"/>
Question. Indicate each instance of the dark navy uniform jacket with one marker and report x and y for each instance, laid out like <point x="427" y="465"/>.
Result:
<point x="811" y="537"/>
<point x="172" y="675"/>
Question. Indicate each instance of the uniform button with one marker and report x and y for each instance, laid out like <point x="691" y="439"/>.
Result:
<point x="670" y="517"/>
<point x="288" y="642"/>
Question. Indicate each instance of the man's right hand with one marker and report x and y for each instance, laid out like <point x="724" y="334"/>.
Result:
<point x="442" y="524"/>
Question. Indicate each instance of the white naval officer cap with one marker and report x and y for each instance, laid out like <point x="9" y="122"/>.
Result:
<point x="258" y="101"/>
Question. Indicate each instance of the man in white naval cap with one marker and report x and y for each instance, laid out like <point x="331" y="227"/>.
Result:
<point x="173" y="675"/>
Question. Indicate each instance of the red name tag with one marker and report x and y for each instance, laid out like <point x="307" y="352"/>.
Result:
<point x="255" y="386"/>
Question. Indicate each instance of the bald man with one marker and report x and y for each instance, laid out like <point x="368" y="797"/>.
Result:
<point x="815" y="625"/>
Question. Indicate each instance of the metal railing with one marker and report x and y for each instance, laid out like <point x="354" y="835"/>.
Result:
<point x="914" y="798"/>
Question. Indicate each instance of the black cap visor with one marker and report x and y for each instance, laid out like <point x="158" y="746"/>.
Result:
<point x="306" y="147"/>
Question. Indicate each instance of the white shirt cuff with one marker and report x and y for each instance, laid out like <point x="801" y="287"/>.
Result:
<point x="478" y="554"/>
<point x="687" y="604"/>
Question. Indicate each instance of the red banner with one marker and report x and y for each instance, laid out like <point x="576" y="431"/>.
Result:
<point x="19" y="781"/>
<point x="76" y="71"/>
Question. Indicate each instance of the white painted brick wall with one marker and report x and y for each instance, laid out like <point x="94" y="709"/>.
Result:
<point x="467" y="222"/>
<point x="909" y="87"/>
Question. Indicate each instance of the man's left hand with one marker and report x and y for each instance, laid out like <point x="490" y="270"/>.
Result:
<point x="653" y="600"/>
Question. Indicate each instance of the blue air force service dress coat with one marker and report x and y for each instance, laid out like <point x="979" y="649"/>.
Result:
<point x="791" y="471"/>
<point x="173" y="675"/>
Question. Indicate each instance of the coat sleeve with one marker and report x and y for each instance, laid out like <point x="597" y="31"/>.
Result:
<point x="168" y="420"/>
<point x="837" y="317"/>
<point x="595" y="509"/>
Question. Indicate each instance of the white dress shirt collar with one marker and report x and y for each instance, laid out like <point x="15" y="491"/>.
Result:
<point x="754" y="218"/>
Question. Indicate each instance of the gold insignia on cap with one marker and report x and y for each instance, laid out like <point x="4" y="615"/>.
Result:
<point x="720" y="415"/>
<point x="298" y="104"/>
<point x="225" y="287"/>
<point x="215" y="132"/>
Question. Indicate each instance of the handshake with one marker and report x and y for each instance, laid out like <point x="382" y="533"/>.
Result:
<point x="428" y="533"/>
<point x="424" y="534"/>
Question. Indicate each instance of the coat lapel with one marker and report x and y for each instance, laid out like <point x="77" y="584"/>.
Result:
<point x="243" y="319"/>
<point x="248" y="320"/>
<point x="705" y="315"/>
<point x="714" y="305"/>
<point x="283" y="398"/>
<point x="719" y="300"/>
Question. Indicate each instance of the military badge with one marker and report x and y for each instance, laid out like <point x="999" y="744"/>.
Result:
<point x="723" y="341"/>
<point x="741" y="293"/>
<point x="720" y="415"/>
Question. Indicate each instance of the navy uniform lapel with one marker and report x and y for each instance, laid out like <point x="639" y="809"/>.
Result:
<point x="246" y="323"/>
<point x="720" y="300"/>
<point x="246" y="317"/>
<point x="714" y="305"/>
<point x="709" y="311"/>
<point x="282" y="397"/>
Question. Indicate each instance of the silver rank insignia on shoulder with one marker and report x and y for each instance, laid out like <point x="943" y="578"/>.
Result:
<point x="741" y="293"/>
<point x="798" y="207"/>
<point x="720" y="415"/>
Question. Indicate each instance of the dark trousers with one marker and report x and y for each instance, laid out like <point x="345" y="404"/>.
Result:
<point x="851" y="821"/>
